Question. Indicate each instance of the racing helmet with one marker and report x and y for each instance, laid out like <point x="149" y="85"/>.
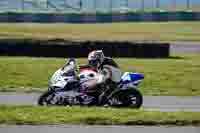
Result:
<point x="71" y="61"/>
<point x="96" y="58"/>
<point x="71" y="67"/>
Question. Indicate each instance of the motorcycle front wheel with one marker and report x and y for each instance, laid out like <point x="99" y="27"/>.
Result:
<point x="45" y="98"/>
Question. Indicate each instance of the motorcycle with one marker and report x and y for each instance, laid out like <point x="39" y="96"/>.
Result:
<point x="67" y="92"/>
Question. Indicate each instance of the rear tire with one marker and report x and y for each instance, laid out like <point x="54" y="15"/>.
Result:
<point x="42" y="101"/>
<point x="130" y="98"/>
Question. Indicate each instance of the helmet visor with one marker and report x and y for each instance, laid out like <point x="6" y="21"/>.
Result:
<point x="93" y="63"/>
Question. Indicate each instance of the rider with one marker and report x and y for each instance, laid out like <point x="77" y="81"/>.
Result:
<point x="109" y="71"/>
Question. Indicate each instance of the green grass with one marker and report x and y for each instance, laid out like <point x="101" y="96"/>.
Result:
<point x="173" y="76"/>
<point x="191" y="8"/>
<point x="21" y="115"/>
<point x="173" y="8"/>
<point x="143" y="31"/>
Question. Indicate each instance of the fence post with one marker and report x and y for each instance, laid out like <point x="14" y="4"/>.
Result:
<point x="143" y="5"/>
<point x="95" y="5"/>
<point x="188" y="4"/>
<point x="47" y="4"/>
<point x="22" y="5"/>
<point x="157" y="4"/>
<point x="110" y="5"/>
<point x="80" y="4"/>
<point x="174" y="5"/>
<point x="126" y="3"/>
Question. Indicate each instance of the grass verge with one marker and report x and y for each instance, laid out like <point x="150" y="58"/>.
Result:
<point x="173" y="76"/>
<point x="144" y="31"/>
<point x="27" y="115"/>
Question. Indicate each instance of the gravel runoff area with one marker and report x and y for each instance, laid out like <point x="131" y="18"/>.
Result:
<point x="151" y="103"/>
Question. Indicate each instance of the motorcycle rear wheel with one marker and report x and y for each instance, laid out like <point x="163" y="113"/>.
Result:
<point x="130" y="98"/>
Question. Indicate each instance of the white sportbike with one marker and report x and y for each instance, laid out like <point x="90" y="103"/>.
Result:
<point x="65" y="92"/>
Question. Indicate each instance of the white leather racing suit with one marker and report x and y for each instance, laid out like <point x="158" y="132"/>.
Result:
<point x="109" y="70"/>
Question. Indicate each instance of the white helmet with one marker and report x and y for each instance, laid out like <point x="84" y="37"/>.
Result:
<point x="70" y="68"/>
<point x="96" y="58"/>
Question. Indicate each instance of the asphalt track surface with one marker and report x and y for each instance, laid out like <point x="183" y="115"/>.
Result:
<point x="185" y="48"/>
<point x="97" y="129"/>
<point x="151" y="103"/>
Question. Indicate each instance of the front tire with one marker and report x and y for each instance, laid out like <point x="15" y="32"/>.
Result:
<point x="44" y="98"/>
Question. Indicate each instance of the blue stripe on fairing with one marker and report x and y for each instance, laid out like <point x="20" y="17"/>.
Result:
<point x="136" y="76"/>
<point x="132" y="77"/>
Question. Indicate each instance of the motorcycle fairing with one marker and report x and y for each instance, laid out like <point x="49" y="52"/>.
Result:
<point x="130" y="79"/>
